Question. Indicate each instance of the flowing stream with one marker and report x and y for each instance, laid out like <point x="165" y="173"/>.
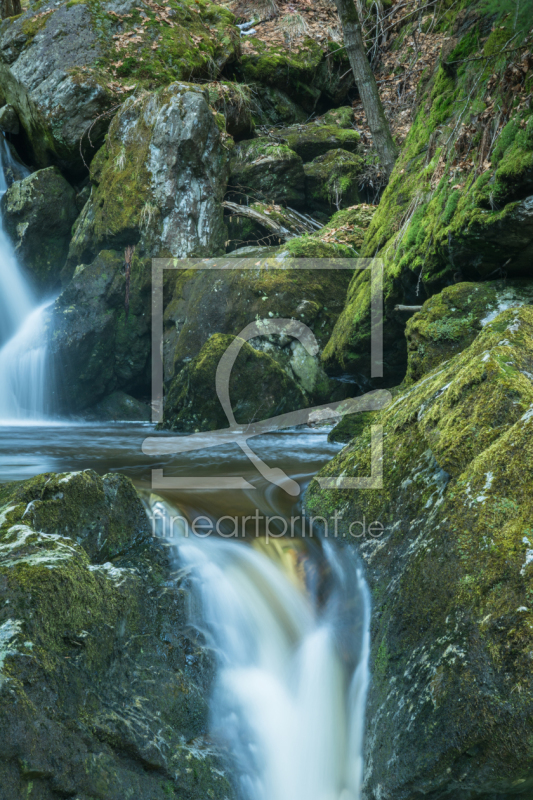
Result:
<point x="287" y="615"/>
<point x="23" y="352"/>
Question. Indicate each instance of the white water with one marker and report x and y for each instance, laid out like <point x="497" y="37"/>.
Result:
<point x="23" y="352"/>
<point x="290" y="692"/>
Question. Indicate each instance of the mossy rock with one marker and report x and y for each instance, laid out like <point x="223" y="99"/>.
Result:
<point x="85" y="58"/>
<point x="234" y="102"/>
<point x="94" y="663"/>
<point x="450" y="571"/>
<point x="37" y="214"/>
<point x="331" y="181"/>
<point x="267" y="171"/>
<point x="310" y="75"/>
<point x="158" y="181"/>
<point x="341" y="117"/>
<point x="342" y="237"/>
<point x="272" y="107"/>
<point x="207" y="302"/>
<point x="318" y="138"/>
<point x="259" y="389"/>
<point x="450" y="321"/>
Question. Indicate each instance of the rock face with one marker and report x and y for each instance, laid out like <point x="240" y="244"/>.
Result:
<point x="450" y="321"/>
<point x="102" y="693"/>
<point x="259" y="389"/>
<point x="158" y="181"/>
<point x="98" y="344"/>
<point x="450" y="701"/>
<point x="65" y="65"/>
<point x="38" y="213"/>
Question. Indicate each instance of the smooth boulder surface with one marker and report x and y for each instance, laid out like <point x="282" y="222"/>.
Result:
<point x="450" y="572"/>
<point x="158" y="181"/>
<point x="102" y="693"/>
<point x="37" y="214"/>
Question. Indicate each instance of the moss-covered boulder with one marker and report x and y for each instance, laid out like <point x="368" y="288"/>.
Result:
<point x="457" y="207"/>
<point x="450" y="321"/>
<point x="102" y="693"/>
<point x="37" y="214"/>
<point x="450" y="568"/>
<point x="259" y="388"/>
<point x="309" y="74"/>
<point x="65" y="66"/>
<point x="158" y="181"/>
<point x="268" y="171"/>
<point x="318" y="138"/>
<point x="100" y="332"/>
<point x="331" y="181"/>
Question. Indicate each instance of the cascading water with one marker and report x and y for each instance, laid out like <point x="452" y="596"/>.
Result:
<point x="292" y="650"/>
<point x="23" y="352"/>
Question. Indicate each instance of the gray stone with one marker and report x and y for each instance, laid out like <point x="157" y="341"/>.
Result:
<point x="9" y="121"/>
<point x="38" y="213"/>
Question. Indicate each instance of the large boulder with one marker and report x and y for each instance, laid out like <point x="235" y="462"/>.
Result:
<point x="66" y="66"/>
<point x="37" y="214"/>
<point x="319" y="137"/>
<point x="204" y="303"/>
<point x="266" y="170"/>
<point x="158" y="181"/>
<point x="259" y="388"/>
<point x="100" y="341"/>
<point x="449" y="564"/>
<point x="331" y="181"/>
<point x="102" y="693"/>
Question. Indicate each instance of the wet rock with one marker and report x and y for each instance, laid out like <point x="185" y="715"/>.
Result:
<point x="100" y="688"/>
<point x="331" y="181"/>
<point x="449" y="566"/>
<point x="267" y="171"/>
<point x="9" y="121"/>
<point x="158" y="181"/>
<point x="450" y="321"/>
<point x="259" y="389"/>
<point x="66" y="66"/>
<point x="38" y="213"/>
<point x="120" y="406"/>
<point x="98" y="343"/>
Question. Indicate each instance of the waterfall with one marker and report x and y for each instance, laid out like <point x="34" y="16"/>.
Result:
<point x="23" y="352"/>
<point x="290" y="692"/>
